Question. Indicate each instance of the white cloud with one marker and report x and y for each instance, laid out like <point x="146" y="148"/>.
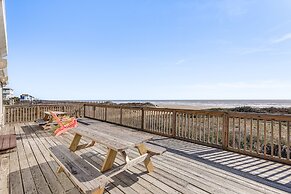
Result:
<point x="180" y="61"/>
<point x="283" y="38"/>
<point x="246" y="51"/>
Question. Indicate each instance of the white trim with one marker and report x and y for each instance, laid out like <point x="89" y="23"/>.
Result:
<point x="4" y="48"/>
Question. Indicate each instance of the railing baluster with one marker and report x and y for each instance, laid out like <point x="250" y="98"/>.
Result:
<point x="279" y="140"/>
<point x="251" y="136"/>
<point x="272" y="139"/>
<point x="233" y="133"/>
<point x="258" y="136"/>
<point x="265" y="138"/>
<point x="288" y="140"/>
<point x="245" y="134"/>
<point x="239" y="133"/>
<point x="217" y="131"/>
<point x="208" y="135"/>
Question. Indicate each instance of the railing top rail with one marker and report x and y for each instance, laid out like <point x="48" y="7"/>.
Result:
<point x="260" y="116"/>
<point x="30" y="105"/>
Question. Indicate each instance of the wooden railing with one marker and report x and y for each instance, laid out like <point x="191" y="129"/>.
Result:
<point x="28" y="113"/>
<point x="261" y="135"/>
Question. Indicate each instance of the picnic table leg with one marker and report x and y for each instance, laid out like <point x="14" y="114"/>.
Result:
<point x="99" y="191"/>
<point x="75" y="142"/>
<point x="147" y="162"/>
<point x="109" y="160"/>
<point x="46" y="117"/>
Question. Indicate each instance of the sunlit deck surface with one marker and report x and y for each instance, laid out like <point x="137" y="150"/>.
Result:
<point x="184" y="168"/>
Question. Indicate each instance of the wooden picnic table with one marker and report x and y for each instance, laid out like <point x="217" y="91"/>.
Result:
<point x="48" y="116"/>
<point x="117" y="139"/>
<point x="48" y="120"/>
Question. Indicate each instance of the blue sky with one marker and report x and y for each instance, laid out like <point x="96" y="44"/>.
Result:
<point x="150" y="49"/>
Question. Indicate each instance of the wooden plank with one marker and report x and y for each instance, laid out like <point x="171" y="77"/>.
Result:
<point x="6" y="141"/>
<point x="15" y="180"/>
<point x="272" y="139"/>
<point x="1" y="141"/>
<point x="258" y="136"/>
<point x="245" y="134"/>
<point x="109" y="160"/>
<point x="288" y="140"/>
<point x="114" y="138"/>
<point x="217" y="129"/>
<point x="239" y="133"/>
<point x="224" y="174"/>
<point x="208" y="131"/>
<point x="265" y="137"/>
<point x="4" y="167"/>
<point x="44" y="146"/>
<point x="83" y="174"/>
<point x="49" y="175"/>
<point x="251" y="136"/>
<point x="233" y="132"/>
<point x="279" y="139"/>
<point x="28" y="182"/>
<point x="38" y="177"/>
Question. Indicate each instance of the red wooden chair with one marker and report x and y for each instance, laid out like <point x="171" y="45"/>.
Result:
<point x="64" y="125"/>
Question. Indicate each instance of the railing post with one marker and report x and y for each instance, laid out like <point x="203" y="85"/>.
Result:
<point x="4" y="115"/>
<point x="142" y="118"/>
<point x="120" y="116"/>
<point x="37" y="112"/>
<point x="94" y="111"/>
<point x="84" y="110"/>
<point x="105" y="113"/>
<point x="225" y="131"/>
<point x="174" y="123"/>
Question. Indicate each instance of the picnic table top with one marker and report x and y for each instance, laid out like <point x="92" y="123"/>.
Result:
<point x="112" y="136"/>
<point x="56" y="112"/>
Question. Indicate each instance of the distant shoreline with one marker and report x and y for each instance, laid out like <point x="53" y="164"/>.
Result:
<point x="208" y="104"/>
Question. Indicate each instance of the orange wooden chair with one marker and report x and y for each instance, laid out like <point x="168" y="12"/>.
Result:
<point x="64" y="125"/>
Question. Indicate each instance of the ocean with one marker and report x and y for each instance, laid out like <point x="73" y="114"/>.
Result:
<point x="216" y="103"/>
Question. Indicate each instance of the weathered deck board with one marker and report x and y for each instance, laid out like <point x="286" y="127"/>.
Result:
<point x="184" y="168"/>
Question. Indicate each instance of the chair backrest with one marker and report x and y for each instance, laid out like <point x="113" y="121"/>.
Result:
<point x="56" y="118"/>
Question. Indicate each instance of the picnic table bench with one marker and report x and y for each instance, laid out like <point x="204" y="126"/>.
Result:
<point x="47" y="120"/>
<point x="117" y="139"/>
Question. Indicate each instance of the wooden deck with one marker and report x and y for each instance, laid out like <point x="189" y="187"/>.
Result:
<point x="184" y="168"/>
